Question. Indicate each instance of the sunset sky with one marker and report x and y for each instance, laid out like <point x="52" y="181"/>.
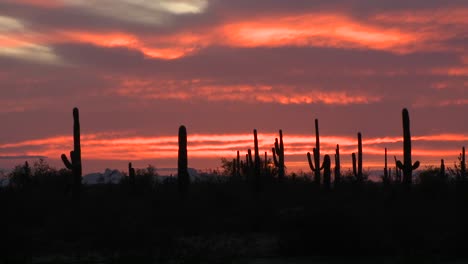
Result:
<point x="139" y="69"/>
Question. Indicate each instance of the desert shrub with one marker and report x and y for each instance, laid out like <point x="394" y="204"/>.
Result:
<point x="21" y="176"/>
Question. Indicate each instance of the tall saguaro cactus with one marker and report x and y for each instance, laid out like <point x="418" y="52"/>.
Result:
<point x="337" y="165"/>
<point x="406" y="166"/>
<point x="183" y="178"/>
<point x="256" y="163"/>
<point x="238" y="165"/>
<point x="75" y="155"/>
<point x="386" y="175"/>
<point x="358" y="173"/>
<point x="316" y="152"/>
<point x="278" y="150"/>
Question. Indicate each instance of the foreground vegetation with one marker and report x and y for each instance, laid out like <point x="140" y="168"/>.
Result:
<point x="225" y="218"/>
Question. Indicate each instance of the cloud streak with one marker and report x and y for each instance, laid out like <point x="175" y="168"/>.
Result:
<point x="124" y="148"/>
<point x="210" y="91"/>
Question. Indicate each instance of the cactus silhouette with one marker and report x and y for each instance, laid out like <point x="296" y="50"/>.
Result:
<point x="442" y="169"/>
<point x="326" y="167"/>
<point x="386" y="177"/>
<point x="279" y="150"/>
<point x="238" y="165"/>
<point x="183" y="178"/>
<point x="131" y="173"/>
<point x="406" y="166"/>
<point x="353" y="156"/>
<point x="462" y="164"/>
<point x="358" y="173"/>
<point x="75" y="155"/>
<point x="316" y="152"/>
<point x="337" y="165"/>
<point x="256" y="163"/>
<point x="397" y="171"/>
<point x="246" y="165"/>
<point x="249" y="164"/>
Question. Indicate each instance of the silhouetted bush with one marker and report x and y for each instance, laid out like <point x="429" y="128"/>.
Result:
<point x="21" y="176"/>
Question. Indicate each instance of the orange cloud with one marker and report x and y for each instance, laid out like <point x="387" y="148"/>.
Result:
<point x="114" y="147"/>
<point x="127" y="40"/>
<point x="392" y="32"/>
<point x="319" y="30"/>
<point x="208" y="90"/>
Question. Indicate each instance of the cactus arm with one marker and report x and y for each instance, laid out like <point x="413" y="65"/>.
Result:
<point x="400" y="165"/>
<point x="66" y="162"/>
<point x="415" y="165"/>
<point x="277" y="148"/>
<point x="311" y="165"/>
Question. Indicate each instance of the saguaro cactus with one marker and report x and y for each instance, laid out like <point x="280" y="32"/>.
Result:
<point x="256" y="163"/>
<point x="358" y="173"/>
<point x="279" y="150"/>
<point x="131" y="173"/>
<point x="238" y="165"/>
<point x="337" y="165"/>
<point x="249" y="160"/>
<point x="462" y="165"/>
<point x="316" y="152"/>
<point x="386" y="176"/>
<point x="183" y="178"/>
<point x="75" y="155"/>
<point x="353" y="156"/>
<point x="407" y="167"/>
<point x="442" y="169"/>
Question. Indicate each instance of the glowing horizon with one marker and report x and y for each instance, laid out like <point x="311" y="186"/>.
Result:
<point x="112" y="146"/>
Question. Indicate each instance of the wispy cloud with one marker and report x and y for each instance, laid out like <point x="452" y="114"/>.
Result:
<point x="105" y="147"/>
<point x="15" y="43"/>
<point x="139" y="11"/>
<point x="211" y="91"/>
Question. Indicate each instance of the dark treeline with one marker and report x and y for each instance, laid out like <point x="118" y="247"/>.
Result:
<point x="256" y="210"/>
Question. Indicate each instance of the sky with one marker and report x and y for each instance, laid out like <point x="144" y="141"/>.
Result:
<point x="137" y="70"/>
